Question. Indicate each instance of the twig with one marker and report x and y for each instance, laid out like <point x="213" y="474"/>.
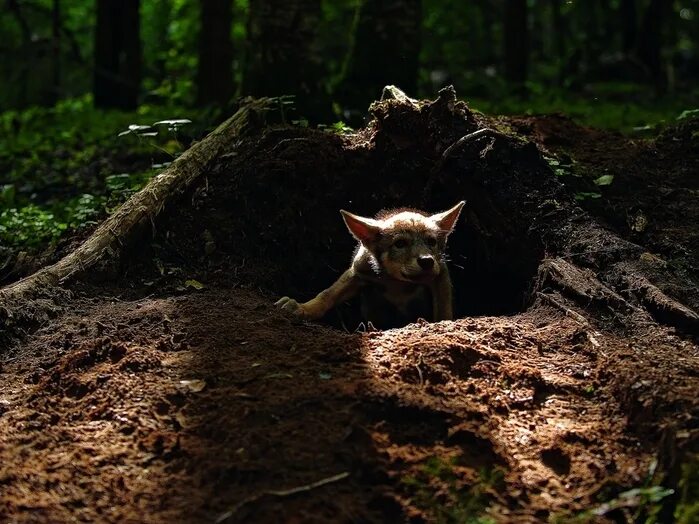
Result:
<point x="308" y="487"/>
<point x="281" y="493"/>
<point x="577" y="316"/>
<point x="419" y="372"/>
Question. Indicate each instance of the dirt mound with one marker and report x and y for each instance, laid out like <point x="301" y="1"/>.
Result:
<point x="197" y="407"/>
<point x="651" y="197"/>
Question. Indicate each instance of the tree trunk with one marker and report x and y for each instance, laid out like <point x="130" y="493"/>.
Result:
<point x="55" y="90"/>
<point x="282" y="57"/>
<point x="629" y="24"/>
<point x="117" y="54"/>
<point x="516" y="40"/>
<point x="537" y="37"/>
<point x="559" y="33"/>
<point x="215" y="70"/>
<point x="650" y="42"/>
<point x="385" y="50"/>
<point x="15" y="7"/>
<point x="489" y="20"/>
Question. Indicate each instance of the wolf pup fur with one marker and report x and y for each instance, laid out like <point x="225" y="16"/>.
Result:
<point x="399" y="269"/>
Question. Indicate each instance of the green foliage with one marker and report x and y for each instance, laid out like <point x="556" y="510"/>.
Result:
<point x="632" y="114"/>
<point x="29" y="226"/>
<point x="32" y="226"/>
<point x="585" y="195"/>
<point x="688" y="113"/>
<point x="687" y="510"/>
<point x="604" y="180"/>
<point x="170" y="49"/>
<point x="65" y="167"/>
<point x="438" y="490"/>
<point x="559" y="167"/>
<point x="641" y="505"/>
<point x="339" y="128"/>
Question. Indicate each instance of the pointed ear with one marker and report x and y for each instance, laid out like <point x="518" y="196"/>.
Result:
<point x="366" y="230"/>
<point x="446" y="220"/>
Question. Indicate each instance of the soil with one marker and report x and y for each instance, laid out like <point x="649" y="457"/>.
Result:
<point x="652" y="199"/>
<point x="180" y="394"/>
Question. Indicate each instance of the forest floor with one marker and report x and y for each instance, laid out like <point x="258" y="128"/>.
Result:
<point x="180" y="394"/>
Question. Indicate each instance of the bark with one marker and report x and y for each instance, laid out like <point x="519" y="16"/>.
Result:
<point x="215" y="69"/>
<point x="32" y="299"/>
<point x="16" y="10"/>
<point x="282" y="57"/>
<point x="516" y="52"/>
<point x="117" y="54"/>
<point x="385" y="50"/>
<point x="559" y="36"/>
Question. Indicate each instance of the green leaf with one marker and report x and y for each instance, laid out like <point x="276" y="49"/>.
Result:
<point x="604" y="180"/>
<point x="176" y="122"/>
<point x="194" y="283"/>
<point x="688" y="113"/>
<point x="584" y="195"/>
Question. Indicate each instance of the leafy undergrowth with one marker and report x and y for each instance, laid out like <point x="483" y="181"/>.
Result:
<point x="629" y="108"/>
<point x="66" y="167"/>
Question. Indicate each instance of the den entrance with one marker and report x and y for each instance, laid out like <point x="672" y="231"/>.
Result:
<point x="488" y="278"/>
<point x="278" y="226"/>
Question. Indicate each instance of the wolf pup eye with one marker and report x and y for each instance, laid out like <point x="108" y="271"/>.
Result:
<point x="431" y="241"/>
<point x="400" y="243"/>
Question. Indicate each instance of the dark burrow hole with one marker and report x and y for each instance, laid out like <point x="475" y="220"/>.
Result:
<point x="487" y="278"/>
<point x="272" y="214"/>
<point x="492" y="273"/>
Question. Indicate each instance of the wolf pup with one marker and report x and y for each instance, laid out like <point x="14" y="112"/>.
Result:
<point x="399" y="269"/>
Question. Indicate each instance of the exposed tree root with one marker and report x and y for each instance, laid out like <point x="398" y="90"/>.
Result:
<point x="662" y="307"/>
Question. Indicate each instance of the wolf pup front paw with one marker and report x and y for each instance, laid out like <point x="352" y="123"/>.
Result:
<point x="290" y="305"/>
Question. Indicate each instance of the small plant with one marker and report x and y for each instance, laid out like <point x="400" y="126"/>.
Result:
<point x="558" y="168"/>
<point x="638" y="505"/>
<point x="172" y="146"/>
<point x="29" y="226"/>
<point x="586" y="195"/>
<point x="438" y="490"/>
<point x="340" y="128"/>
<point x="604" y="180"/>
<point x="688" y="113"/>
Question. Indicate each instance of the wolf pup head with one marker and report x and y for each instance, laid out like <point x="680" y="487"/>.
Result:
<point x="407" y="245"/>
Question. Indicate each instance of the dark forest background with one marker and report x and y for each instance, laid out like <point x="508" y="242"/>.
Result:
<point x="335" y="55"/>
<point x="98" y="95"/>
